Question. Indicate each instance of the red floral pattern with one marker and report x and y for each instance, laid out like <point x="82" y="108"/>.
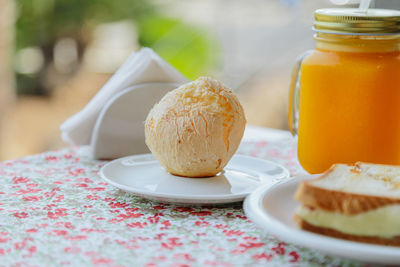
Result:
<point x="55" y="210"/>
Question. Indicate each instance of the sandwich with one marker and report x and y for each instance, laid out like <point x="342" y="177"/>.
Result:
<point x="359" y="202"/>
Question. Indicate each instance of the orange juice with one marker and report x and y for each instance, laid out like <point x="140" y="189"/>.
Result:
<point x="349" y="108"/>
<point x="349" y="91"/>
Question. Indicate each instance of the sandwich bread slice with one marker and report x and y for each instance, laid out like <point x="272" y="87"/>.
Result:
<point x="358" y="202"/>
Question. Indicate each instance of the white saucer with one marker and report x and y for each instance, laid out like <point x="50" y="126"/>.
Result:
<point x="261" y="207"/>
<point x="144" y="176"/>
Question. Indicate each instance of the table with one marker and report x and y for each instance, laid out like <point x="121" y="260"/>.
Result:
<point x="55" y="210"/>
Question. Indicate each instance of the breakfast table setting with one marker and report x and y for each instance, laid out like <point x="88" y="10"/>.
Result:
<point x="104" y="200"/>
<point x="57" y="211"/>
<point x="162" y="171"/>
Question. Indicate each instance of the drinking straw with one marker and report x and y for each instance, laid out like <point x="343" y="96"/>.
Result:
<point x="364" y="5"/>
<point x="339" y="2"/>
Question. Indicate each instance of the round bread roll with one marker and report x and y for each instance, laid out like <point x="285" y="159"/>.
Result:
<point x="195" y="129"/>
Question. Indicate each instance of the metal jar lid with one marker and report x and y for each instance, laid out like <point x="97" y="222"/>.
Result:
<point x="354" y="21"/>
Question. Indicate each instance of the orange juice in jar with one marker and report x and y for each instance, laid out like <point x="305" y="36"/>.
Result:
<point x="347" y="90"/>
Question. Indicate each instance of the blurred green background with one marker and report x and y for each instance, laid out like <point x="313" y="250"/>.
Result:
<point x="42" y="23"/>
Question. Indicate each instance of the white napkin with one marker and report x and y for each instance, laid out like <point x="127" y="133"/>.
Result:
<point x="144" y="66"/>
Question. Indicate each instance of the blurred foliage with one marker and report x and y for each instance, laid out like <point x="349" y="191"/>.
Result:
<point x="190" y="49"/>
<point x="41" y="23"/>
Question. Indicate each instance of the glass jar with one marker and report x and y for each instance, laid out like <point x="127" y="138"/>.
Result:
<point x="345" y="95"/>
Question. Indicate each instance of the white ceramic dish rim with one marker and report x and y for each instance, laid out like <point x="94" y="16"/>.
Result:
<point x="218" y="198"/>
<point x="253" y="207"/>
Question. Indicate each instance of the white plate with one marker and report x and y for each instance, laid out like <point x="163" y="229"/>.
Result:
<point x="272" y="209"/>
<point x="144" y="176"/>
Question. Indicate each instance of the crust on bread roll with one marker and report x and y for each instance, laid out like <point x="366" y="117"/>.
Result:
<point x="195" y="129"/>
<point x="395" y="241"/>
<point x="343" y="202"/>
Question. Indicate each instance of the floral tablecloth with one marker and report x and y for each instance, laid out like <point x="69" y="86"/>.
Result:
<point x="55" y="210"/>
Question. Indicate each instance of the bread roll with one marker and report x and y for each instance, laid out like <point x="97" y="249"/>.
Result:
<point x="195" y="129"/>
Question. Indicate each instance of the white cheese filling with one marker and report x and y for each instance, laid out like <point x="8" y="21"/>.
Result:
<point x="382" y="222"/>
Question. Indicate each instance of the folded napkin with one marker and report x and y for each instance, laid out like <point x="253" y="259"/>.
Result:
<point x="142" y="67"/>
